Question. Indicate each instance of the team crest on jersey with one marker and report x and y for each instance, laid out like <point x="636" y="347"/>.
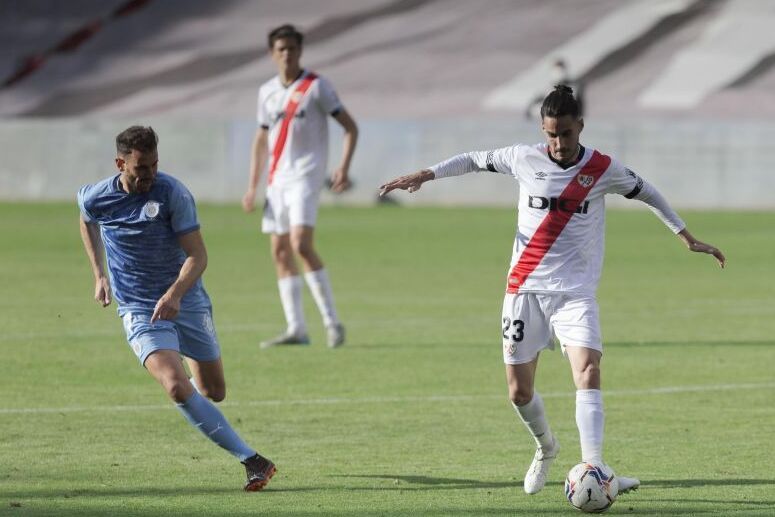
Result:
<point x="151" y="209"/>
<point x="585" y="180"/>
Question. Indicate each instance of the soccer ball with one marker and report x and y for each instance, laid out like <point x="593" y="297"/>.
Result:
<point x="591" y="487"/>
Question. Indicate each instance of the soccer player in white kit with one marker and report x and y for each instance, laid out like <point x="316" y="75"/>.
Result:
<point x="292" y="138"/>
<point x="556" y="265"/>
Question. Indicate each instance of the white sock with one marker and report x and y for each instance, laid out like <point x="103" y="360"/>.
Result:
<point x="590" y="419"/>
<point x="290" y="296"/>
<point x="193" y="383"/>
<point x="533" y="416"/>
<point x="320" y="286"/>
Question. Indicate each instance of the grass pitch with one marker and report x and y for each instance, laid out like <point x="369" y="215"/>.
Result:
<point x="411" y="416"/>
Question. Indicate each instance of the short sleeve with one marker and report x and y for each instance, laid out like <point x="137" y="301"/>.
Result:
<point x="262" y="115"/>
<point x="497" y="160"/>
<point x="624" y="181"/>
<point x="83" y="201"/>
<point x="182" y="210"/>
<point x="326" y="97"/>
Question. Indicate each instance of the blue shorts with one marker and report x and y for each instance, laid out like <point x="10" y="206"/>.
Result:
<point x="191" y="334"/>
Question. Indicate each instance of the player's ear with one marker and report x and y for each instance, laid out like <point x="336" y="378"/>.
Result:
<point x="120" y="163"/>
<point x="581" y="124"/>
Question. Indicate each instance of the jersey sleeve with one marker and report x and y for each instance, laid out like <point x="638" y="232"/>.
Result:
<point x="495" y="160"/>
<point x="326" y="97"/>
<point x="626" y="182"/>
<point x="262" y="115"/>
<point x="623" y="181"/>
<point x="183" y="216"/>
<point x="83" y="203"/>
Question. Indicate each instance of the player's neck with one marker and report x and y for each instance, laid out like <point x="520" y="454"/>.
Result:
<point x="289" y="75"/>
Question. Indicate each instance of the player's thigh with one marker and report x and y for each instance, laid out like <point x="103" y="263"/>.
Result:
<point x="145" y="337"/>
<point x="198" y="339"/>
<point x="576" y="322"/>
<point x="525" y="328"/>
<point x="275" y="218"/>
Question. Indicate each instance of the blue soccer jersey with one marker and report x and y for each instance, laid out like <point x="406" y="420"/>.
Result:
<point x="140" y="233"/>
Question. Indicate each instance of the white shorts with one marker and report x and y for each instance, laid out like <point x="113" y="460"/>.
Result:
<point x="531" y="321"/>
<point x="295" y="204"/>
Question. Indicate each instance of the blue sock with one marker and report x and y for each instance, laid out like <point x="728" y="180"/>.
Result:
<point x="203" y="415"/>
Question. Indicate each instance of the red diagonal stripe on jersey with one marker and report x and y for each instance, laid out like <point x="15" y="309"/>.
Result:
<point x="551" y="227"/>
<point x="290" y="112"/>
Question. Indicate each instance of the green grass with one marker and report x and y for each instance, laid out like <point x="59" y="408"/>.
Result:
<point x="411" y="416"/>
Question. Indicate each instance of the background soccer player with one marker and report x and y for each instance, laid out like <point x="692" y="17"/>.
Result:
<point x="293" y="110"/>
<point x="145" y="223"/>
<point x="556" y="265"/>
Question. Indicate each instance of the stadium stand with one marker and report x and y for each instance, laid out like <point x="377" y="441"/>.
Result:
<point x="455" y="57"/>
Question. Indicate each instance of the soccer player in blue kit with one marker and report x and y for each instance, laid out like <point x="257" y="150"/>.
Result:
<point x="145" y="223"/>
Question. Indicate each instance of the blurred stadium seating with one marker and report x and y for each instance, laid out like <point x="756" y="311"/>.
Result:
<point x="423" y="77"/>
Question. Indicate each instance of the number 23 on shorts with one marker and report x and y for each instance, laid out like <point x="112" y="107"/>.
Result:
<point x="513" y="330"/>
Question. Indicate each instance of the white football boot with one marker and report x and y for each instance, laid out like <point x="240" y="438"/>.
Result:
<point x="628" y="484"/>
<point x="535" y="479"/>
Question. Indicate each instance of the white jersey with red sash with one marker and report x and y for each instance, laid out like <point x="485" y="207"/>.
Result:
<point x="561" y="223"/>
<point x="297" y="119"/>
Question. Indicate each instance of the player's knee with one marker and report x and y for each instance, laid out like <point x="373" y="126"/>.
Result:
<point x="588" y="377"/>
<point x="178" y="390"/>
<point x="281" y="255"/>
<point x="303" y="248"/>
<point x="520" y="395"/>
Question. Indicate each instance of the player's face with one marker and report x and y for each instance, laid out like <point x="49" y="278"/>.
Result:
<point x="286" y="53"/>
<point x="138" y="170"/>
<point x="562" y="136"/>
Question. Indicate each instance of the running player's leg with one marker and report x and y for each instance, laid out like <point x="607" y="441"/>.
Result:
<point x="167" y="368"/>
<point x="198" y="342"/>
<point x="525" y="334"/>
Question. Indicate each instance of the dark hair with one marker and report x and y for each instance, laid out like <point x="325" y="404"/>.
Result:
<point x="561" y="102"/>
<point x="136" y="138"/>
<point x="284" y="31"/>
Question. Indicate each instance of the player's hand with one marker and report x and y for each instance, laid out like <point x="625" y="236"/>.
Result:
<point x="167" y="308"/>
<point x="249" y="201"/>
<point x="410" y="182"/>
<point x="102" y="291"/>
<point x="701" y="247"/>
<point x="339" y="181"/>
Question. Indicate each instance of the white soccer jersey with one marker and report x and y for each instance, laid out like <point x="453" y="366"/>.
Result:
<point x="297" y="143"/>
<point x="561" y="223"/>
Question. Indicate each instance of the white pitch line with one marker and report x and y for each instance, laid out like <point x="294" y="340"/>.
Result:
<point x="666" y="390"/>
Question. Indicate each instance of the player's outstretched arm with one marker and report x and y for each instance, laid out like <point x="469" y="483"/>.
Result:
<point x="92" y="243"/>
<point x="701" y="247"/>
<point x="410" y="182"/>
